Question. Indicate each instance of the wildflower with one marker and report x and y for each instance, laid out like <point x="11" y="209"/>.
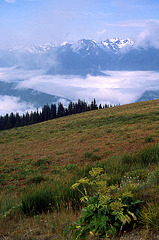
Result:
<point x="83" y="180"/>
<point x="96" y="172"/>
<point x="74" y="186"/>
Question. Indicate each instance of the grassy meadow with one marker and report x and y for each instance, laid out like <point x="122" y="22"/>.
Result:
<point x="39" y="164"/>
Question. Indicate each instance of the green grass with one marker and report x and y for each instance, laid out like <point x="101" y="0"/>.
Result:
<point x="39" y="163"/>
<point x="92" y="157"/>
<point x="127" y="171"/>
<point x="150" y="216"/>
<point x="42" y="161"/>
<point x="52" y="196"/>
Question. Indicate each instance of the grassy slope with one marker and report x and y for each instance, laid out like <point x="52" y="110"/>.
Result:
<point x="51" y="147"/>
<point x="66" y="140"/>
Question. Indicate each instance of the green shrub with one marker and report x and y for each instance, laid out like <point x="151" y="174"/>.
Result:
<point x="92" y="157"/>
<point x="36" y="179"/>
<point x="109" y="211"/>
<point x="42" y="161"/>
<point x="149" y="140"/>
<point x="70" y="167"/>
<point x="104" y="220"/>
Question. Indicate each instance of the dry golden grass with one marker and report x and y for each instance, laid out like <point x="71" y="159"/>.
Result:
<point x="48" y="148"/>
<point x="65" y="140"/>
<point x="40" y="227"/>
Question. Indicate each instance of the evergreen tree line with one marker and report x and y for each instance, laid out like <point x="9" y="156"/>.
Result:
<point x="48" y="112"/>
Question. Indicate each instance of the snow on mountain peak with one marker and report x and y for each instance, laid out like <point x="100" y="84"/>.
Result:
<point x="112" y="44"/>
<point x="65" y="43"/>
<point x="125" y="42"/>
<point x="33" y="49"/>
<point x="116" y="44"/>
<point x="83" y="43"/>
<point x="113" y="40"/>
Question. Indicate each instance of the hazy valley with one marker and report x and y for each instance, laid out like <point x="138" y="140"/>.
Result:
<point x="113" y="71"/>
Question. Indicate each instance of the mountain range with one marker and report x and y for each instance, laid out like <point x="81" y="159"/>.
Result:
<point x="83" y="57"/>
<point x="149" y="95"/>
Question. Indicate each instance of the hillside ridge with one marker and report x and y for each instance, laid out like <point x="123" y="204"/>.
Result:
<point x="39" y="163"/>
<point x="65" y="140"/>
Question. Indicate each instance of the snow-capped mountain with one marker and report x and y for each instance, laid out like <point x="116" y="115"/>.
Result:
<point x="33" y="49"/>
<point x="83" y="57"/>
<point x="115" y="44"/>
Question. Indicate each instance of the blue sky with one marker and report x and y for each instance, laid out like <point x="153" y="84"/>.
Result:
<point x="25" y="22"/>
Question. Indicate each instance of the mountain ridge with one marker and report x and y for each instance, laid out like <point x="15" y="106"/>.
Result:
<point x="83" y="56"/>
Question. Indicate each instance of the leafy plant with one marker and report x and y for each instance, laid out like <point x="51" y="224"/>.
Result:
<point x="107" y="212"/>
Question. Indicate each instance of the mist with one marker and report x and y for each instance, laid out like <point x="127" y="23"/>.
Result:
<point x="10" y="104"/>
<point x="118" y="87"/>
<point x="149" y="36"/>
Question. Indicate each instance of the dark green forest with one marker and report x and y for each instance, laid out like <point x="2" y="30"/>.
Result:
<point x="47" y="113"/>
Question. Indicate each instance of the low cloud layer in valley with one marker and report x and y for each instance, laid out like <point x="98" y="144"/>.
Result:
<point x="117" y="87"/>
<point x="10" y="104"/>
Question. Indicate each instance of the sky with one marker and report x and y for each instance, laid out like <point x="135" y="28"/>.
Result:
<point x="27" y="22"/>
<point x="32" y="22"/>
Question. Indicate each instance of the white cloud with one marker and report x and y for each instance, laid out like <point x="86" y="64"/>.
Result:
<point x="118" y="87"/>
<point x="150" y="36"/>
<point x="147" y="37"/>
<point x="101" y="32"/>
<point x="13" y="75"/>
<point x="10" y="104"/>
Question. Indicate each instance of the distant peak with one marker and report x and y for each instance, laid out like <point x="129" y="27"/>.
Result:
<point x="65" y="43"/>
<point x="114" y="39"/>
<point x="116" y="43"/>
